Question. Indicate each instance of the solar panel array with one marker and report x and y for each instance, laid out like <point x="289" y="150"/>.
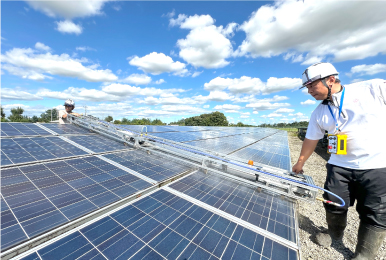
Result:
<point x="49" y="182"/>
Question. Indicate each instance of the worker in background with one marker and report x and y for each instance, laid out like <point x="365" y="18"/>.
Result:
<point x="356" y="113"/>
<point x="69" y="105"/>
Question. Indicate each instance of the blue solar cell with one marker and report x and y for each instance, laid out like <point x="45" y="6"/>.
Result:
<point x="11" y="236"/>
<point x="152" y="166"/>
<point x="66" y="129"/>
<point x="22" y="150"/>
<point x="185" y="231"/>
<point x="97" y="143"/>
<point x="44" y="196"/>
<point x="242" y="201"/>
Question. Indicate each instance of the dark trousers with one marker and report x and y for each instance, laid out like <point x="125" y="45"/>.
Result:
<point x="367" y="187"/>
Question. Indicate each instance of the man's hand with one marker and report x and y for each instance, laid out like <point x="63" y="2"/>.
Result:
<point x="75" y="114"/>
<point x="308" y="148"/>
<point x="298" y="167"/>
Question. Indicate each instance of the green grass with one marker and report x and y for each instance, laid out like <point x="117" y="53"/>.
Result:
<point x="287" y="129"/>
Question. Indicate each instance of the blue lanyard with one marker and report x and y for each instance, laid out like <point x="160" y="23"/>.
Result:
<point x="340" y="109"/>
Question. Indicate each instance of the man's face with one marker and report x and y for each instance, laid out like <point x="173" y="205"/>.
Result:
<point x="69" y="108"/>
<point x="317" y="90"/>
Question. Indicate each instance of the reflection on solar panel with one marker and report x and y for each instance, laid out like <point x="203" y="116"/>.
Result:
<point x="97" y="143"/>
<point x="20" y="129"/>
<point x="43" y="196"/>
<point x="155" y="167"/>
<point x="164" y="225"/>
<point x="243" y="201"/>
<point x="201" y="216"/>
<point x="22" y="150"/>
<point x="66" y="129"/>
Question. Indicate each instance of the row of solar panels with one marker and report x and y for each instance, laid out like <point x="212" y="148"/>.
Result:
<point x="41" y="197"/>
<point x="28" y="129"/>
<point x="170" y="225"/>
<point x="272" y="151"/>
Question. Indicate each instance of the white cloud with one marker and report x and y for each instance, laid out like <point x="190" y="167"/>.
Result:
<point x="228" y="108"/>
<point x="250" y="85"/>
<point x="68" y="9"/>
<point x="68" y="26"/>
<point x="275" y="84"/>
<point x="24" y="73"/>
<point x="206" y="45"/>
<point x="308" y="102"/>
<point x="196" y="21"/>
<point x="214" y="96"/>
<point x="157" y="63"/>
<point x="255" y="112"/>
<point x="305" y="90"/>
<point x="61" y="65"/>
<point x="168" y="110"/>
<point x="206" y="106"/>
<point x="137" y="79"/>
<point x="244" y="116"/>
<point x="84" y="48"/>
<point x="299" y="114"/>
<point x="266" y="105"/>
<point x="42" y="47"/>
<point x="368" y="69"/>
<point x="17" y="94"/>
<point x="168" y="99"/>
<point x="284" y="110"/>
<point x="196" y="73"/>
<point x="356" y="80"/>
<point x="272" y="115"/>
<point x="127" y="90"/>
<point x="295" y="26"/>
<point x="79" y="94"/>
<point x="28" y="110"/>
<point x="160" y="81"/>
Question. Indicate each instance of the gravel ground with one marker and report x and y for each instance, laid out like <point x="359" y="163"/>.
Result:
<point x="312" y="215"/>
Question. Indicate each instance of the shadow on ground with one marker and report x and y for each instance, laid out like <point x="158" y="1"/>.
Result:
<point x="307" y="225"/>
<point x="321" y="148"/>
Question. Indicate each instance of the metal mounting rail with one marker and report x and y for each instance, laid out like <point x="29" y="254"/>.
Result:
<point x="264" y="177"/>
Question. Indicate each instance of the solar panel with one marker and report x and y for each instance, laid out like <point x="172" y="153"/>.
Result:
<point x="20" y="129"/>
<point x="163" y="225"/>
<point x="45" y="195"/>
<point x="157" y="168"/>
<point x="243" y="201"/>
<point x="97" y="143"/>
<point x="23" y="150"/>
<point x="66" y="129"/>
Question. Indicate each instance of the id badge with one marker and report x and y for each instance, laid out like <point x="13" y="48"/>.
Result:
<point x="337" y="144"/>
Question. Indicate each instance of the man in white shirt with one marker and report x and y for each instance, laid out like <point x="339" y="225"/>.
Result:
<point x="69" y="105"/>
<point x="358" y="111"/>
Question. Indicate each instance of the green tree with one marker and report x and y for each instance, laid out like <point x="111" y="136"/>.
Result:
<point x="17" y="115"/>
<point x="117" y="122"/>
<point x="46" y="116"/>
<point x="212" y="119"/>
<point x="157" y="122"/>
<point x="34" y="119"/>
<point x="109" y="118"/>
<point x="2" y="112"/>
<point x="125" y="121"/>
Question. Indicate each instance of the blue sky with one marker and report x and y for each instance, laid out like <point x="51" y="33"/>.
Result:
<point x="171" y="60"/>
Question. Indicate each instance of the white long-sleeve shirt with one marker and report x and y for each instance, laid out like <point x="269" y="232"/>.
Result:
<point x="363" y="121"/>
<point x="61" y="119"/>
